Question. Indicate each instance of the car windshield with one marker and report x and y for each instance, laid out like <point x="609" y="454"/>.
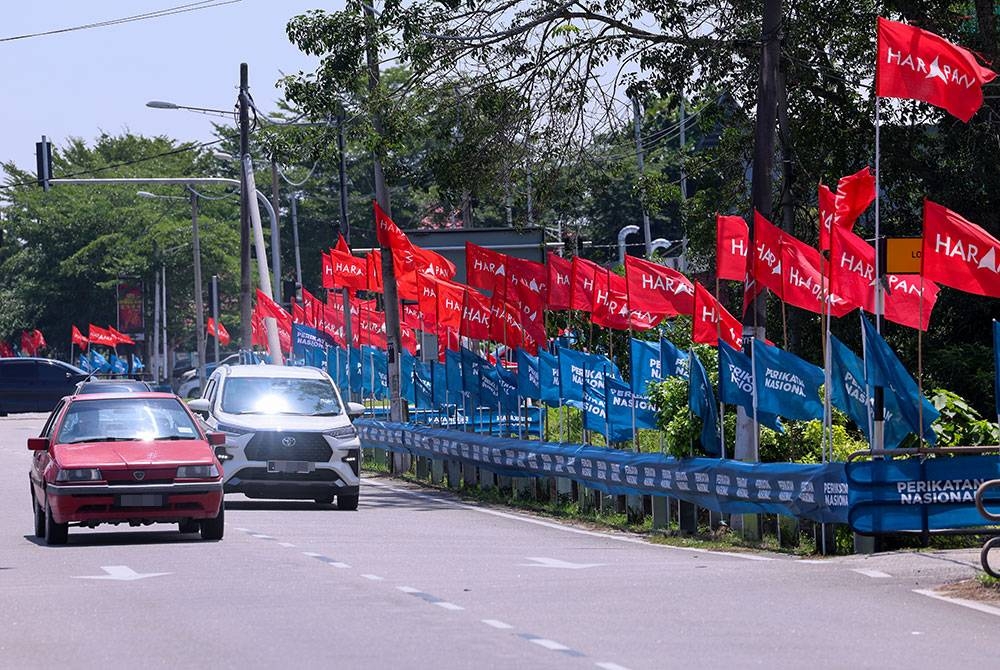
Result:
<point x="113" y="387"/>
<point x="281" y="395"/>
<point x="126" y="419"/>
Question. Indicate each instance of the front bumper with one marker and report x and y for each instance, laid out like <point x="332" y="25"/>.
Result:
<point x="91" y="504"/>
<point x="254" y="481"/>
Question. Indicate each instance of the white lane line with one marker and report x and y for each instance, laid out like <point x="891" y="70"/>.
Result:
<point x="374" y="578"/>
<point x="338" y="564"/>
<point x="311" y="554"/>
<point x="565" y="529"/>
<point x="449" y="606"/>
<point x="288" y="545"/>
<point x="497" y="624"/>
<point x="261" y="536"/>
<point x="243" y="530"/>
<point x="812" y="561"/>
<point x="549" y="644"/>
<point x="971" y="604"/>
<point x="874" y="574"/>
<point x="408" y="589"/>
<point x="611" y="666"/>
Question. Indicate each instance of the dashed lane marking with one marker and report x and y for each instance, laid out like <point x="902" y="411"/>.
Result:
<point x="261" y="536"/>
<point x="288" y="545"/>
<point x="551" y="645"/>
<point x="448" y="606"/>
<point x="433" y="600"/>
<point x="374" y="578"/>
<point x="611" y="666"/>
<point x="500" y="625"/>
<point x="874" y="574"/>
<point x="326" y="559"/>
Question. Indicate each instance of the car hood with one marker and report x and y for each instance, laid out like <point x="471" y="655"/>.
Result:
<point x="133" y="454"/>
<point x="258" y="422"/>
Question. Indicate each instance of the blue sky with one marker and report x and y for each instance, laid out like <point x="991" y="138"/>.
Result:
<point x="78" y="84"/>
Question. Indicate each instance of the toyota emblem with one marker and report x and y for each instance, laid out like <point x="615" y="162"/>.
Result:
<point x="288" y="441"/>
<point x="139" y="475"/>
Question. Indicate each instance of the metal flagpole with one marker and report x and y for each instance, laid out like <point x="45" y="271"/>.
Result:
<point x="718" y="346"/>
<point x="753" y="395"/>
<point x="879" y="399"/>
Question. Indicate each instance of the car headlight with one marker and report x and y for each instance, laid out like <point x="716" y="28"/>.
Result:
<point x="79" y="475"/>
<point x="197" y="471"/>
<point x="345" y="433"/>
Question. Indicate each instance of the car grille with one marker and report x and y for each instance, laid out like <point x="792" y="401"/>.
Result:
<point x="270" y="446"/>
<point x="261" y="474"/>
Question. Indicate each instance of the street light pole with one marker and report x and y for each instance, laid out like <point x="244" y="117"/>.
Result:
<point x="199" y="301"/>
<point x="246" y="337"/>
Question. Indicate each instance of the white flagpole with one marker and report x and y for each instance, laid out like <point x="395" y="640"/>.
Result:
<point x="753" y="396"/>
<point x="878" y="422"/>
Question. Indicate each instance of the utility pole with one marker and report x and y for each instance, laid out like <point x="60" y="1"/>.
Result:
<point x="199" y="300"/>
<point x="246" y="339"/>
<point x="390" y="296"/>
<point x="755" y="313"/>
<point x="275" y="234"/>
<point x="637" y="122"/>
<point x="215" y="314"/>
<point x="345" y="230"/>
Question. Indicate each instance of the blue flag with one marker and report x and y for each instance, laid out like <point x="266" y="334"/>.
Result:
<point x="119" y="366"/>
<point x="996" y="364"/>
<point x="336" y="367"/>
<point x="736" y="385"/>
<point x="98" y="363"/>
<point x="701" y="402"/>
<point x="620" y="403"/>
<point x="407" y="388"/>
<point x="786" y="385"/>
<point x="509" y="394"/>
<point x="84" y="363"/>
<point x="453" y="372"/>
<point x="472" y="366"/>
<point x="137" y="364"/>
<point x="548" y="379"/>
<point x="439" y="385"/>
<point x="355" y="370"/>
<point x="423" y="385"/>
<point x="885" y="370"/>
<point x="575" y="367"/>
<point x="595" y="409"/>
<point x="374" y="372"/>
<point x="646" y="365"/>
<point x="308" y="345"/>
<point x="489" y="387"/>
<point x="528" y="385"/>
<point x="673" y="361"/>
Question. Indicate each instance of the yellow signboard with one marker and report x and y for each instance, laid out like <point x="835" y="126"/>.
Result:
<point x="902" y="255"/>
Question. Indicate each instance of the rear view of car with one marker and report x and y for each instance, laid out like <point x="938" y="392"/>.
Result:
<point x="288" y="434"/>
<point x="126" y="458"/>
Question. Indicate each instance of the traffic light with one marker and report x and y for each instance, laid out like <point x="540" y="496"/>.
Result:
<point x="43" y="160"/>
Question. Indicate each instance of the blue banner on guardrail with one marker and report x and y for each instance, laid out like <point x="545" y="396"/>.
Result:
<point x="817" y="492"/>
<point x="919" y="495"/>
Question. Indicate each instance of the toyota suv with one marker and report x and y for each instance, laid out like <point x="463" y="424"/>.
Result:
<point x="288" y="433"/>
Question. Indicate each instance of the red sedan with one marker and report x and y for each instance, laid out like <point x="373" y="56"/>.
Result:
<point x="136" y="458"/>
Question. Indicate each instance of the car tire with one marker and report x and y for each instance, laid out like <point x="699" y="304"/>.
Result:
<point x="189" y="526"/>
<point x="346" y="502"/>
<point x="39" y="517"/>
<point x="55" y="533"/>
<point x="212" y="529"/>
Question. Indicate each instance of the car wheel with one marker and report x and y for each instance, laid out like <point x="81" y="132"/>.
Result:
<point x="55" y="533"/>
<point x="39" y="517"/>
<point x="189" y="526"/>
<point x="212" y="529"/>
<point x="347" y="502"/>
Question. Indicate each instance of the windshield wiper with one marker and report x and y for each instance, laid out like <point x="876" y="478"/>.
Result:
<point x="337" y="413"/>
<point x="96" y="439"/>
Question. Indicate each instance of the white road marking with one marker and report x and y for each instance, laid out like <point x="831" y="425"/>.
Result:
<point x="374" y="578"/>
<point x="311" y="554"/>
<point x="543" y="562"/>
<point x="261" y="536"/>
<point x="971" y="604"/>
<point x="874" y="574"/>
<point x="122" y="573"/>
<point x="497" y="624"/>
<point x="565" y="529"/>
<point x="811" y="561"/>
<point x="408" y="589"/>
<point x="448" y="606"/>
<point x="286" y="544"/>
<point x="338" y="564"/>
<point x="611" y="666"/>
<point x="243" y="530"/>
<point x="549" y="644"/>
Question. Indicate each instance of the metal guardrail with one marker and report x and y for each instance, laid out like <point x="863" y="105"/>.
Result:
<point x="992" y="543"/>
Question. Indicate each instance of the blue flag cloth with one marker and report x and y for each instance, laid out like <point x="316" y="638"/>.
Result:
<point x="453" y="373"/>
<point x="374" y="372"/>
<point x="595" y="409"/>
<point x="407" y="388"/>
<point x="308" y="345"/>
<point x="528" y="385"/>
<point x="548" y="379"/>
<point x="786" y="385"/>
<point x="646" y="365"/>
<point x="472" y="366"/>
<point x="119" y="366"/>
<point x="489" y="387"/>
<point x="336" y="367"/>
<point x="355" y="370"/>
<point x="510" y="399"/>
<point x="98" y="363"/>
<point x="137" y="364"/>
<point x="423" y="385"/>
<point x="673" y="361"/>
<point x="996" y="364"/>
<point x="575" y="367"/>
<point x="84" y="363"/>
<point x="439" y="383"/>
<point x="701" y="402"/>
<point x="885" y="370"/>
<point x="736" y="385"/>
<point x="620" y="403"/>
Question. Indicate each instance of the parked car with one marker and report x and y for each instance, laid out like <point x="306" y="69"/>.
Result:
<point x="189" y="385"/>
<point x="288" y="433"/>
<point x="135" y="458"/>
<point x="35" y="384"/>
<point x="95" y="385"/>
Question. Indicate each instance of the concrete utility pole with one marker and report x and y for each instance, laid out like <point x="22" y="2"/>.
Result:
<point x="755" y="313"/>
<point x="637" y="120"/>
<point x="199" y="300"/>
<point x="276" y="234"/>
<point x="390" y="296"/>
<point x="246" y="336"/>
<point x="345" y="230"/>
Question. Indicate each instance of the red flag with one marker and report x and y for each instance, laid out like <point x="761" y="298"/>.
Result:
<point x="266" y="307"/>
<point x="342" y="245"/>
<point x="958" y="253"/>
<point x="448" y="301"/>
<point x="475" y="322"/>
<point x="711" y="321"/>
<point x="388" y="233"/>
<point x="582" y="283"/>
<point x="413" y="317"/>
<point x="342" y="270"/>
<point x="6" y="351"/>
<point x="121" y="337"/>
<point x="408" y="339"/>
<point x="732" y="239"/>
<point x="767" y="255"/>
<point x="373" y="260"/>
<point x="852" y="268"/>
<point x="909" y="301"/>
<point x="28" y="345"/>
<point x="841" y="209"/>
<point x="485" y="268"/>
<point x="505" y="322"/>
<point x="611" y="305"/>
<point x="657" y="289"/>
<point x="427" y="296"/>
<point x="448" y="340"/>
<point x="98" y="335"/>
<point x="560" y="276"/>
<point x="218" y="331"/>
<point x="528" y="281"/>
<point x="300" y="315"/>
<point x="803" y="279"/>
<point x="77" y="338"/>
<point x="919" y="65"/>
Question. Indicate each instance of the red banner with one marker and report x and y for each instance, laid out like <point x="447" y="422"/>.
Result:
<point x="218" y="332"/>
<point x="475" y="321"/>
<point x="841" y="209"/>
<point x="342" y="270"/>
<point x="958" y="253"/>
<point x="484" y="268"/>
<point x="130" y="318"/>
<point x="711" y="321"/>
<point x="102" y="336"/>
<point x="732" y="240"/>
<point x="559" y="284"/>
<point x="657" y="289"/>
<point x="77" y="338"/>
<point x="582" y="283"/>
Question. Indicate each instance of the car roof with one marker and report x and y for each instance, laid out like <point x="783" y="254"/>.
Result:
<point x="275" y="371"/>
<point x="125" y="395"/>
<point x="50" y="361"/>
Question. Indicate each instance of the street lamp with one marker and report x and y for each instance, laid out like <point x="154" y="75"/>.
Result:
<point x="199" y="303"/>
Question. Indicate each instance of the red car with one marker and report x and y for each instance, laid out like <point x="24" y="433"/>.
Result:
<point x="135" y="458"/>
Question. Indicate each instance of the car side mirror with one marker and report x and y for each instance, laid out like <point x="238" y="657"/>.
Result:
<point x="38" y="443"/>
<point x="355" y="410"/>
<point x="200" y="406"/>
<point x="216" y="439"/>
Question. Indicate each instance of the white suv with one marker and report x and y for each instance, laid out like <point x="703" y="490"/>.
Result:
<point x="288" y="433"/>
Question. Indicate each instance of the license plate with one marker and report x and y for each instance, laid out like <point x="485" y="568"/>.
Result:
<point x="141" y="500"/>
<point x="298" y="467"/>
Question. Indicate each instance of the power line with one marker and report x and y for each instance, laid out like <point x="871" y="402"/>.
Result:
<point x="180" y="9"/>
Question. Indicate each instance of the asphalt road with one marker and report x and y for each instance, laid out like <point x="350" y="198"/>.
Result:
<point x="416" y="579"/>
